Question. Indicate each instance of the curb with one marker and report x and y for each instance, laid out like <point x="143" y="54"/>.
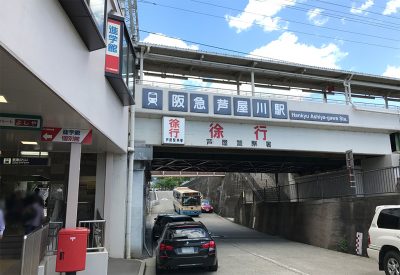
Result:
<point x="142" y="268"/>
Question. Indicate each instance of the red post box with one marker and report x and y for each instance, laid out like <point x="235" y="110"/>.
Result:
<point x="71" y="253"/>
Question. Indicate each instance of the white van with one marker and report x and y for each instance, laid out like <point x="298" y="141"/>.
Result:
<point x="384" y="238"/>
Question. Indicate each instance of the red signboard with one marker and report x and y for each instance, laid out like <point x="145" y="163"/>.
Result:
<point x="66" y="135"/>
<point x="113" y="46"/>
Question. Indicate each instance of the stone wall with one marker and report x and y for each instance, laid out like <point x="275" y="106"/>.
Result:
<point x="330" y="224"/>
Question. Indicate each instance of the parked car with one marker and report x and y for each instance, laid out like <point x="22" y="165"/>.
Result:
<point x="384" y="238"/>
<point x="206" y="207"/>
<point x="163" y="219"/>
<point x="186" y="244"/>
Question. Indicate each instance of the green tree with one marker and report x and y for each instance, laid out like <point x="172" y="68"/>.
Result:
<point x="169" y="183"/>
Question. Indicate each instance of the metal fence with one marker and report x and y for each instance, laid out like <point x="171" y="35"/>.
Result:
<point x="33" y="250"/>
<point x="325" y="186"/>
<point x="95" y="240"/>
<point x="52" y="244"/>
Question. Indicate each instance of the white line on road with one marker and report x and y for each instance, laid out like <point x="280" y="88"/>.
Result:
<point x="271" y="260"/>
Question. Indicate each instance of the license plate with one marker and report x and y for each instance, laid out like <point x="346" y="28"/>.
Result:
<point x="187" y="250"/>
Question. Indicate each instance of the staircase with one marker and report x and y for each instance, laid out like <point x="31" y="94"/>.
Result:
<point x="11" y="247"/>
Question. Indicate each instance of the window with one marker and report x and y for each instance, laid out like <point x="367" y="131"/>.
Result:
<point x="189" y="233"/>
<point x="389" y="218"/>
<point x="98" y="8"/>
<point x="190" y="201"/>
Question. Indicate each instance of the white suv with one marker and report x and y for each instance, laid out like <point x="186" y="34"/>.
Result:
<point x="384" y="238"/>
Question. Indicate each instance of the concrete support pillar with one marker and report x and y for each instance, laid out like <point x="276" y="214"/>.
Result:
<point x="115" y="204"/>
<point x="325" y="98"/>
<point x="100" y="185"/>
<point x="238" y="88"/>
<point x="138" y="209"/>
<point x="73" y="185"/>
<point x="253" y="89"/>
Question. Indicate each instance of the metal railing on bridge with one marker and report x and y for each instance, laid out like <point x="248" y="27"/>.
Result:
<point x="367" y="183"/>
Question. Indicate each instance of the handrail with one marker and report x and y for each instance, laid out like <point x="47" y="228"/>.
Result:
<point x="95" y="241"/>
<point x="33" y="250"/>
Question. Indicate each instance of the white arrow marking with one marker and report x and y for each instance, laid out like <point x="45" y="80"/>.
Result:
<point x="47" y="136"/>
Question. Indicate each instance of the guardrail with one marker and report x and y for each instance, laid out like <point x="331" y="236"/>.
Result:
<point x="96" y="235"/>
<point x="325" y="186"/>
<point x="187" y="87"/>
<point x="52" y="244"/>
<point x="33" y="250"/>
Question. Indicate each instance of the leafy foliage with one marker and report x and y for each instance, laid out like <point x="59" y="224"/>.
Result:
<point x="169" y="183"/>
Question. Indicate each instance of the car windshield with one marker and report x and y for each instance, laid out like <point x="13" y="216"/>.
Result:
<point x="205" y="202"/>
<point x="190" y="201"/>
<point x="189" y="233"/>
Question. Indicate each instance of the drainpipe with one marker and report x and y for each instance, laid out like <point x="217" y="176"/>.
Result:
<point x="129" y="187"/>
<point x="131" y="151"/>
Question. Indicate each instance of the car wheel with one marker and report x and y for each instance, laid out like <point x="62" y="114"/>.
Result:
<point x="159" y="270"/>
<point x="391" y="263"/>
<point x="214" y="267"/>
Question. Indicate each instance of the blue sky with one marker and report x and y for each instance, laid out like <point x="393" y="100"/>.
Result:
<point x="289" y="30"/>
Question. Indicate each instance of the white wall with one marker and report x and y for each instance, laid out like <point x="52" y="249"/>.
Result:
<point x="282" y="138"/>
<point x="115" y="203"/>
<point x="40" y="35"/>
<point x="380" y="162"/>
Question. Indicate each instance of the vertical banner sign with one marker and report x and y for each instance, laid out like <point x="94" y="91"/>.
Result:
<point x="173" y="131"/>
<point x="350" y="167"/>
<point x="359" y="239"/>
<point x="113" y="46"/>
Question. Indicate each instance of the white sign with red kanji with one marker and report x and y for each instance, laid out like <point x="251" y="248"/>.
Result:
<point x="173" y="130"/>
<point x="66" y="135"/>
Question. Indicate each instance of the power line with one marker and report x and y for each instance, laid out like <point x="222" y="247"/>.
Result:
<point x="391" y="26"/>
<point x="216" y="47"/>
<point x="295" y="31"/>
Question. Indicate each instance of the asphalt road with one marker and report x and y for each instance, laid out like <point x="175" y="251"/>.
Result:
<point x="246" y="252"/>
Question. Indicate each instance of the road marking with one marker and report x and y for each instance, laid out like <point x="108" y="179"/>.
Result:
<point x="155" y="192"/>
<point x="271" y="260"/>
<point x="165" y="199"/>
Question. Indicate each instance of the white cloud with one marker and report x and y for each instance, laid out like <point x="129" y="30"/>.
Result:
<point x="161" y="39"/>
<point x="361" y="9"/>
<point x="287" y="48"/>
<point x="392" y="71"/>
<point x="315" y="17"/>
<point x="392" y="6"/>
<point x="260" y="12"/>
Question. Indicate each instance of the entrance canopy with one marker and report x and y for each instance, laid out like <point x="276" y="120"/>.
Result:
<point x="25" y="95"/>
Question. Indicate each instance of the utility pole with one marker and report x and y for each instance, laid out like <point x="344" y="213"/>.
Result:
<point x="131" y="18"/>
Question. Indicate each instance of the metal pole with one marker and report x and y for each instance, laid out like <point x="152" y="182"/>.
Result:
<point x="131" y="151"/>
<point x="141" y="65"/>
<point x="73" y="185"/>
<point x="252" y="83"/>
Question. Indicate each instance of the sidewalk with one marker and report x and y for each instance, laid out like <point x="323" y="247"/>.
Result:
<point x="125" y="267"/>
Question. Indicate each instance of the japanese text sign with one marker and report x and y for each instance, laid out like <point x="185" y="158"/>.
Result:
<point x="241" y="106"/>
<point x="222" y="105"/>
<point x="178" y="101"/>
<point x="199" y="103"/>
<point x="20" y="121"/>
<point x="279" y="109"/>
<point x="173" y="131"/>
<point x="66" y="135"/>
<point x="113" y="37"/>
